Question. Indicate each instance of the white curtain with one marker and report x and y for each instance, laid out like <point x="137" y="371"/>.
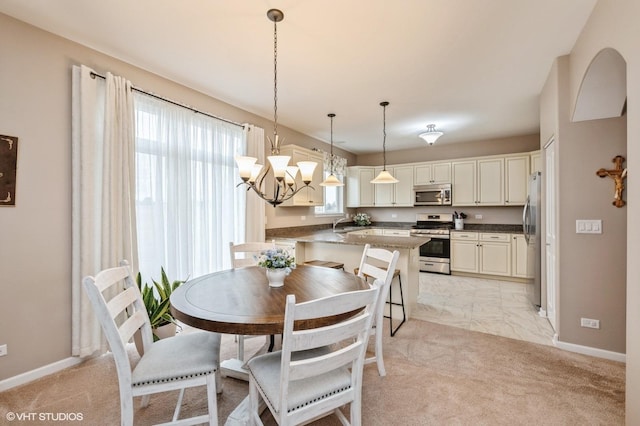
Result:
<point x="103" y="215"/>
<point x="255" y="223"/>
<point x="187" y="202"/>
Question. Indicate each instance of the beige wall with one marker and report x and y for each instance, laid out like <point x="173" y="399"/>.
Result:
<point x="613" y="24"/>
<point x="35" y="249"/>
<point x="592" y="274"/>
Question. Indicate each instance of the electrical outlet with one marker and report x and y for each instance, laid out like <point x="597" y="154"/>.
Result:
<point x="3" y="350"/>
<point x="303" y="218"/>
<point x="478" y="216"/>
<point x="589" y="323"/>
<point x="393" y="215"/>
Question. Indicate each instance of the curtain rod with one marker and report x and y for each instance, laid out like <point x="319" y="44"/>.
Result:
<point x="94" y="75"/>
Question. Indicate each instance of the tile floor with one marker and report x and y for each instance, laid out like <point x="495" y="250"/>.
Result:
<point x="489" y="306"/>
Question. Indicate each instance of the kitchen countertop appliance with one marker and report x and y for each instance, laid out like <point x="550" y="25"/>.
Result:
<point x="435" y="256"/>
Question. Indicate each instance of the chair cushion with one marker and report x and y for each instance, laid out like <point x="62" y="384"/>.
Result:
<point x="180" y="357"/>
<point x="266" y="372"/>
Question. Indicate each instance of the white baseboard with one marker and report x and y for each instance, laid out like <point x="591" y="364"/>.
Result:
<point x="587" y="350"/>
<point x="38" y="373"/>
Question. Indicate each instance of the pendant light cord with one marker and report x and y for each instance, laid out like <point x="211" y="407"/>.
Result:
<point x="331" y="154"/>
<point x="384" y="134"/>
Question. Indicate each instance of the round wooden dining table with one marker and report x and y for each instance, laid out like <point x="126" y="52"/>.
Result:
<point x="240" y="301"/>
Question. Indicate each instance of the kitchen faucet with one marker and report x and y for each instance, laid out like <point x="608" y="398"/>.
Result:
<point x="336" y="222"/>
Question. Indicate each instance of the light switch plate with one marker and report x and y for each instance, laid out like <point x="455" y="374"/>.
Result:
<point x="591" y="226"/>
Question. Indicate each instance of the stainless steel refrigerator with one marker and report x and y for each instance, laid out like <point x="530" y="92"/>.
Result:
<point x="531" y="228"/>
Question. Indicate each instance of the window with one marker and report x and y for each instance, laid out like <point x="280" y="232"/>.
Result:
<point x="188" y="206"/>
<point x="333" y="198"/>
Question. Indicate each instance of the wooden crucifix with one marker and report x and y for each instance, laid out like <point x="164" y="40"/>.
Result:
<point x="618" y="175"/>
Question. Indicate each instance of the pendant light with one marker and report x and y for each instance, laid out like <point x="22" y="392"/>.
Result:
<point x="384" y="177"/>
<point x="332" y="179"/>
<point x="431" y="135"/>
<point x="253" y="175"/>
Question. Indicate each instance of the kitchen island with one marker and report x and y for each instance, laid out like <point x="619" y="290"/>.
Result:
<point x="347" y="247"/>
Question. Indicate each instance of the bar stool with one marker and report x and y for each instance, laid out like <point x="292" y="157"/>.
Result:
<point x="391" y="303"/>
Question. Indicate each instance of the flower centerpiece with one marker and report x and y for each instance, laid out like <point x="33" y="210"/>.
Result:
<point x="278" y="263"/>
<point x="362" y="219"/>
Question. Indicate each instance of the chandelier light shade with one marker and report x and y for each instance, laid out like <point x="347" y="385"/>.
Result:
<point x="284" y="176"/>
<point x="431" y="135"/>
<point x="384" y="177"/>
<point x="332" y="179"/>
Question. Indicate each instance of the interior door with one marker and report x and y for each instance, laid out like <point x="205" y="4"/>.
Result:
<point x="550" y="248"/>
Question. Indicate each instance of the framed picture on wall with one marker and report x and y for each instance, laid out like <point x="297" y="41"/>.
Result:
<point x="8" y="166"/>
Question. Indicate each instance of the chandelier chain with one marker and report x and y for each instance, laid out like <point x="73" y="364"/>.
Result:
<point x="275" y="82"/>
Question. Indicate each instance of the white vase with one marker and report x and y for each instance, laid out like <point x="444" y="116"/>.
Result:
<point x="276" y="277"/>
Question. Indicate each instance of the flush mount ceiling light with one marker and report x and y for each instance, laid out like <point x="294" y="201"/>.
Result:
<point x="431" y="135"/>
<point x="332" y="179"/>
<point x="384" y="177"/>
<point x="253" y="175"/>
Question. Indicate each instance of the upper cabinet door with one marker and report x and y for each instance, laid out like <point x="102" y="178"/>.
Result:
<point x="463" y="180"/>
<point x="360" y="191"/>
<point x="516" y="178"/>
<point x="432" y="173"/>
<point x="491" y="181"/>
<point x="441" y="172"/>
<point x="403" y="191"/>
<point x="536" y="162"/>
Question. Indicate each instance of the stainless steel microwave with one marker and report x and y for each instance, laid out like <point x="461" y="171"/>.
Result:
<point x="432" y="195"/>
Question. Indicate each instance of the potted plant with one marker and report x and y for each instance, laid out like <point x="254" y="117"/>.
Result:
<point x="278" y="263"/>
<point x="156" y="301"/>
<point x="362" y="219"/>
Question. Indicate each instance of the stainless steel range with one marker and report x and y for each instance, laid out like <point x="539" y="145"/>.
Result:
<point x="435" y="256"/>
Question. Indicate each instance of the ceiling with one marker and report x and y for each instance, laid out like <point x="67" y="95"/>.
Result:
<point x="474" y="68"/>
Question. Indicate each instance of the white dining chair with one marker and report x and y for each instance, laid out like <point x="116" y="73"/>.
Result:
<point x="244" y="255"/>
<point x="186" y="360"/>
<point x="379" y="264"/>
<point x="318" y="369"/>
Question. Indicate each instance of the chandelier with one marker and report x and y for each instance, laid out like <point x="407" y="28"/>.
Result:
<point x="332" y="179"/>
<point x="284" y="176"/>
<point x="384" y="177"/>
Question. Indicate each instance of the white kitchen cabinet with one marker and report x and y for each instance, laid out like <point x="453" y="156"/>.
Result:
<point x="360" y="190"/>
<point x="478" y="182"/>
<point x="519" y="251"/>
<point x="481" y="253"/>
<point x="306" y="196"/>
<point x="490" y="182"/>
<point x="494" y="254"/>
<point x="536" y="161"/>
<point x="396" y="194"/>
<point x="368" y="231"/>
<point x="463" y="183"/>
<point x="396" y="232"/>
<point x="516" y="178"/>
<point x="464" y="251"/>
<point x="432" y="173"/>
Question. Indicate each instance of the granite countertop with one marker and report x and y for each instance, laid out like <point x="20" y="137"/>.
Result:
<point x="328" y="236"/>
<point x="496" y="228"/>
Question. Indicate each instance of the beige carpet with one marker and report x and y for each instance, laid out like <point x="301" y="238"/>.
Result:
<point x="436" y="375"/>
